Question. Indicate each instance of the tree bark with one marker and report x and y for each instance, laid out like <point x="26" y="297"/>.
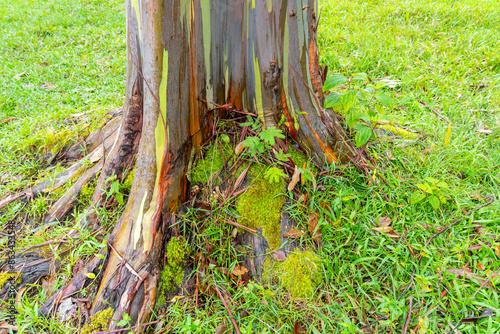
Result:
<point x="183" y="56"/>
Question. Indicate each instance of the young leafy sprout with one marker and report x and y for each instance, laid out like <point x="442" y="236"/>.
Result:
<point x="362" y="103"/>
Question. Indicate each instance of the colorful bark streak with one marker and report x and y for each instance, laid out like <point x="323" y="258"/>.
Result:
<point x="257" y="86"/>
<point x="135" y="6"/>
<point x="291" y="128"/>
<point x="207" y="34"/>
<point x="314" y="68"/>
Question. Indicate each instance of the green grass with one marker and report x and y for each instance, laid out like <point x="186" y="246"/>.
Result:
<point x="437" y="49"/>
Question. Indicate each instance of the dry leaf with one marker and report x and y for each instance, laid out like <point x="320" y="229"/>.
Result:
<point x="468" y="274"/>
<point x="383" y="229"/>
<point x="497" y="250"/>
<point x="7" y="120"/>
<point x="238" y="149"/>
<point x="50" y="85"/>
<point x="239" y="270"/>
<point x="384" y="221"/>
<point x="279" y="255"/>
<point x="90" y="275"/>
<point x="293" y="234"/>
<point x="303" y="178"/>
<point x="295" y="179"/>
<point x="240" y="178"/>
<point x="480" y="266"/>
<point x="6" y="325"/>
<point x="314" y="229"/>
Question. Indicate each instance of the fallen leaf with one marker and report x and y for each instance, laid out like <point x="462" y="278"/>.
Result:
<point x="293" y="234"/>
<point x="497" y="250"/>
<point x="297" y="328"/>
<point x="303" y="178"/>
<point x="90" y="275"/>
<point x="480" y="266"/>
<point x="238" y="148"/>
<point x="279" y="255"/>
<point x="50" y="85"/>
<point x="314" y="229"/>
<point x="470" y="275"/>
<point x="240" y="178"/>
<point x="239" y="270"/>
<point x="221" y="329"/>
<point x="384" y="221"/>
<point x="448" y="135"/>
<point x="295" y="179"/>
<point x="383" y="229"/>
<point x="7" y="120"/>
<point x="6" y="325"/>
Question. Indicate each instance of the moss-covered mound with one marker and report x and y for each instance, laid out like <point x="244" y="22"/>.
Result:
<point x="260" y="208"/>
<point x="173" y="273"/>
<point x="306" y="277"/>
<point x="99" y="322"/>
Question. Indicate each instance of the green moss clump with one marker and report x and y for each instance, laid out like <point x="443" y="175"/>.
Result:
<point x="98" y="322"/>
<point x="307" y="277"/>
<point x="88" y="190"/>
<point x="211" y="163"/>
<point x="6" y="276"/>
<point x="260" y="207"/>
<point x="127" y="183"/>
<point x="298" y="158"/>
<point x="173" y="273"/>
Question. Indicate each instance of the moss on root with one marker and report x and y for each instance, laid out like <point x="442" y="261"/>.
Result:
<point x="98" y="322"/>
<point x="6" y="276"/>
<point x="173" y="273"/>
<point x="211" y="163"/>
<point x="88" y="190"/>
<point x="260" y="208"/>
<point x="306" y="277"/>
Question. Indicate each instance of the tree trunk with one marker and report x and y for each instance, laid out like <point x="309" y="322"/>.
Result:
<point x="182" y="57"/>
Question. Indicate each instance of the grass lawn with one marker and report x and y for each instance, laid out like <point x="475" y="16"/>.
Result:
<point x="62" y="66"/>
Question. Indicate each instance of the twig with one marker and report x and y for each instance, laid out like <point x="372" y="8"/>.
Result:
<point x="407" y="321"/>
<point x="484" y="283"/>
<point x="436" y="111"/>
<point x="240" y="226"/>
<point x="127" y="265"/>
<point x="235" y="325"/>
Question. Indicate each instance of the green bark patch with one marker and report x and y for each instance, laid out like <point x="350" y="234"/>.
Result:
<point x="6" y="276"/>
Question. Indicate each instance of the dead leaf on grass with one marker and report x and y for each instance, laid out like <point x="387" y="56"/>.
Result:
<point x="295" y="179"/>
<point x="238" y="149"/>
<point x="314" y="229"/>
<point x="239" y="270"/>
<point x="385" y="227"/>
<point x="279" y="255"/>
<point x="468" y="274"/>
<point x="49" y="85"/>
<point x="480" y="266"/>
<point x="7" y="120"/>
<point x="497" y="250"/>
<point x="293" y="234"/>
<point x="240" y="178"/>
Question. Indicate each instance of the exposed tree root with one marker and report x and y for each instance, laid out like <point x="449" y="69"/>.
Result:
<point x="64" y="204"/>
<point x="80" y="281"/>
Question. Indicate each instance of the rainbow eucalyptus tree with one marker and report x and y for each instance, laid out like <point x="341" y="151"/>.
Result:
<point x="259" y="56"/>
